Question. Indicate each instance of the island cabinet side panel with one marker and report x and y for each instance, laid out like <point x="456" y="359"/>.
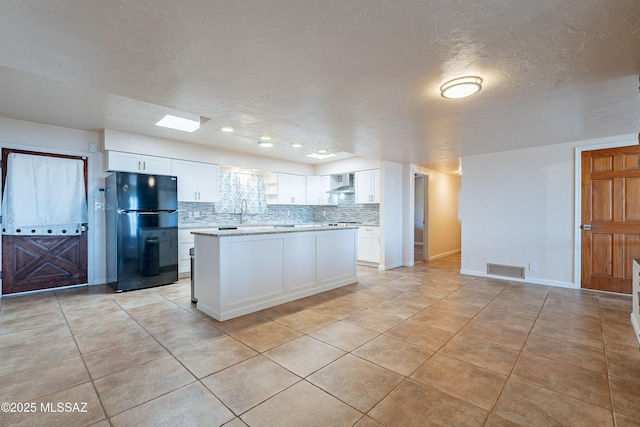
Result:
<point x="300" y="261"/>
<point x="251" y="270"/>
<point x="207" y="277"/>
<point x="336" y="257"/>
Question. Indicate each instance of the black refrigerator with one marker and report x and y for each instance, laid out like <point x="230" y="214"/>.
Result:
<point x="142" y="230"/>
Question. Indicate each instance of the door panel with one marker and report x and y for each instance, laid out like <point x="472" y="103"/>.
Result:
<point x="631" y="205"/>
<point x="602" y="196"/>
<point x="42" y="262"/>
<point x="610" y="218"/>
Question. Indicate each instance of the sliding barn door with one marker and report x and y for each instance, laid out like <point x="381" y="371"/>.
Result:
<point x="32" y="263"/>
<point x="610" y="217"/>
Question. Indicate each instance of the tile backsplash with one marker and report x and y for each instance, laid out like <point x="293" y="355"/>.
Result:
<point x="204" y="214"/>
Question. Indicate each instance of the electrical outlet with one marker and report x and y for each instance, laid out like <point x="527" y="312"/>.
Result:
<point x="288" y="213"/>
<point x="533" y="266"/>
<point x="190" y="214"/>
<point x="196" y="214"/>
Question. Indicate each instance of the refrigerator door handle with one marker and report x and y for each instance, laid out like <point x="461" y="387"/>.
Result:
<point x="148" y="213"/>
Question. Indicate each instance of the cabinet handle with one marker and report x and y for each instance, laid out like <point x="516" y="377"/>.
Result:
<point x="139" y="165"/>
<point x="144" y="166"/>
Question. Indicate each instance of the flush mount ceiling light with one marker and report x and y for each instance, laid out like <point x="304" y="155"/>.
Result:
<point x="227" y="129"/>
<point x="265" y="138"/>
<point x="265" y="144"/>
<point x="322" y="151"/>
<point x="179" y="123"/>
<point x="461" y="87"/>
<point x="296" y="144"/>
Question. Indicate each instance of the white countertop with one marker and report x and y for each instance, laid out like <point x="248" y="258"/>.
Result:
<point x="246" y="230"/>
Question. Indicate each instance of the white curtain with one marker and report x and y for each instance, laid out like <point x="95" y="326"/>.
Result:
<point x="234" y="187"/>
<point x="43" y="196"/>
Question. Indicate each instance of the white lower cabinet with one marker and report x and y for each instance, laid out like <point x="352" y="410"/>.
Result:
<point x="186" y="242"/>
<point x="369" y="244"/>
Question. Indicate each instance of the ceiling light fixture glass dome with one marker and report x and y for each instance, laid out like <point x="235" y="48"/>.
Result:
<point x="461" y="87"/>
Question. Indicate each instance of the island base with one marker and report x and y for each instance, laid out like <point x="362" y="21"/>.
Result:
<point x="238" y="275"/>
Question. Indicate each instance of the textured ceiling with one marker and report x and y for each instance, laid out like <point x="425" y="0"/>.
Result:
<point x="352" y="76"/>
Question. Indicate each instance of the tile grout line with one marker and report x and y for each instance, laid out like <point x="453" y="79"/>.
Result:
<point x="84" y="363"/>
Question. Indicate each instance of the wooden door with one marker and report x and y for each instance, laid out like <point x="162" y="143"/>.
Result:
<point x="610" y="217"/>
<point x="42" y="262"/>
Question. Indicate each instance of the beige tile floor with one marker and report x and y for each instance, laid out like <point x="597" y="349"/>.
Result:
<point x="412" y="346"/>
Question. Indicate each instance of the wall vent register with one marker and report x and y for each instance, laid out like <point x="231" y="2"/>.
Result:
<point x="506" y="271"/>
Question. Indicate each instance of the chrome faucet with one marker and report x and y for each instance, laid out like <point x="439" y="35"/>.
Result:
<point x="243" y="210"/>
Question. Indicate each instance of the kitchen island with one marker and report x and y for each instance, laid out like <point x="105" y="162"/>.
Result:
<point x="243" y="270"/>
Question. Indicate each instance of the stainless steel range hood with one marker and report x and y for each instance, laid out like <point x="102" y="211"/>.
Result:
<point x="347" y="185"/>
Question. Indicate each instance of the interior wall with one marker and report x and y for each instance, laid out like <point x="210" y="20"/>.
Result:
<point x="519" y="207"/>
<point x="443" y="216"/>
<point x="53" y="139"/>
<point x="391" y="215"/>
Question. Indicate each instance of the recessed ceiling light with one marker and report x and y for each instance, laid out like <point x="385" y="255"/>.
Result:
<point x="461" y="87"/>
<point x="227" y="129"/>
<point x="179" y="123"/>
<point x="320" y="156"/>
<point x="265" y="144"/>
<point x="265" y="138"/>
<point x="322" y="151"/>
<point x="296" y="144"/>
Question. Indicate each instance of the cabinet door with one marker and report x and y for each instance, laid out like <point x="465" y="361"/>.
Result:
<point x="368" y="186"/>
<point x="375" y="186"/>
<point x="314" y="190"/>
<point x="186" y="173"/>
<point x="156" y="165"/>
<point x="327" y="198"/>
<point x="368" y="247"/>
<point x="363" y="186"/>
<point x="298" y="189"/>
<point x="207" y="182"/>
<point x="123" y="162"/>
<point x="284" y="189"/>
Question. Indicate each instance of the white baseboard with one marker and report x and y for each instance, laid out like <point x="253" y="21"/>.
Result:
<point x="442" y="255"/>
<point x="533" y="280"/>
<point x="389" y="267"/>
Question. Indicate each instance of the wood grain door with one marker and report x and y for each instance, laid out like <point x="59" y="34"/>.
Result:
<point x="610" y="218"/>
<point x="42" y="262"/>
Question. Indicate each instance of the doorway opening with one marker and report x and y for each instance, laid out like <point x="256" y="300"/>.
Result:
<point x="420" y="237"/>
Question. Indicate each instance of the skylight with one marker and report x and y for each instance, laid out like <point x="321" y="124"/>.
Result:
<point x="179" y="123"/>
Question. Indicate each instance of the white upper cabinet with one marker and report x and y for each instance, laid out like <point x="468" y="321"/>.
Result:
<point x="317" y="191"/>
<point x="129" y="162"/>
<point x="368" y="186"/>
<point x="197" y="182"/>
<point x="286" y="189"/>
<point x="314" y="190"/>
